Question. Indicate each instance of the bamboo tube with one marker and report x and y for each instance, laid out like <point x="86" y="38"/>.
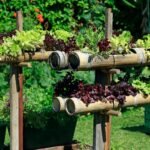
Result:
<point x="76" y="106"/>
<point x="59" y="104"/>
<point x="78" y="59"/>
<point x="84" y="61"/>
<point x="26" y="57"/>
<point x="58" y="60"/>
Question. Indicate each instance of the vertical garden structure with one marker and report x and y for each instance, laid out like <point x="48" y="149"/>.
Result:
<point x="81" y="61"/>
<point x="101" y="121"/>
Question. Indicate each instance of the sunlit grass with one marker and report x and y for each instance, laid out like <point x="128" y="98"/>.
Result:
<point x="128" y="132"/>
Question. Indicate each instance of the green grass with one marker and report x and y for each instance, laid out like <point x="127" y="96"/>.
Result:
<point x="127" y="131"/>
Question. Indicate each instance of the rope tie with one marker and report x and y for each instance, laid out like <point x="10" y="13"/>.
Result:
<point x="141" y="54"/>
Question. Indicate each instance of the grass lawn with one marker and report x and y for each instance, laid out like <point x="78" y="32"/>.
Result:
<point x="127" y="132"/>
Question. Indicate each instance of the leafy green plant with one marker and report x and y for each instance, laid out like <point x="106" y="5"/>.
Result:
<point x="63" y="35"/>
<point x="144" y="43"/>
<point x="88" y="39"/>
<point x="138" y="77"/>
<point x="121" y="43"/>
<point x="38" y="106"/>
<point x="38" y="94"/>
<point x="21" y="42"/>
<point x="92" y="41"/>
<point x="142" y="86"/>
<point x="4" y="110"/>
<point x="4" y="79"/>
<point x="4" y="104"/>
<point x="142" y="81"/>
<point x="85" y="76"/>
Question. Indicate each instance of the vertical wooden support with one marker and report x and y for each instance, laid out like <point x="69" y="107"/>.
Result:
<point x="102" y="123"/>
<point x="109" y="23"/>
<point x="108" y="131"/>
<point x="14" y="103"/>
<point x="99" y="136"/>
<point x="16" y="98"/>
<point x="19" y="21"/>
<point x="20" y="78"/>
<point x="20" y="108"/>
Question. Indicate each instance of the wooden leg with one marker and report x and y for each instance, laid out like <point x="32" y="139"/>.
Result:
<point x="16" y="109"/>
<point x="108" y="131"/>
<point x="20" y="108"/>
<point x="102" y="123"/>
<point x="99" y="132"/>
<point x="14" y="115"/>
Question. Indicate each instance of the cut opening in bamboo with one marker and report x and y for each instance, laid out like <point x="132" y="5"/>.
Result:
<point x="58" y="60"/>
<point x="59" y="104"/>
<point x="74" y="61"/>
<point x="78" y="59"/>
<point x="70" y="107"/>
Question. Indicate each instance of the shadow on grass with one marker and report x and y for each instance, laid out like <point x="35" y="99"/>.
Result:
<point x="141" y="129"/>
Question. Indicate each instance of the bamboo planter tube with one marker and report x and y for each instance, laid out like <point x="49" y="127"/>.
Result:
<point x="58" y="60"/>
<point x="79" y="60"/>
<point x="59" y="104"/>
<point x="76" y="106"/>
<point x="83" y="61"/>
<point x="26" y="57"/>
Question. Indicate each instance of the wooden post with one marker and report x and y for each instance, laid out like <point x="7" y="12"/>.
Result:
<point x="19" y="21"/>
<point x="102" y="123"/>
<point x="99" y="132"/>
<point x="20" y="77"/>
<point x="16" y="98"/>
<point x="14" y="115"/>
<point x="109" y="23"/>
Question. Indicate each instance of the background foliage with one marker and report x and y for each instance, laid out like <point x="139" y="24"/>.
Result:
<point x="69" y="15"/>
<point x="56" y="14"/>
